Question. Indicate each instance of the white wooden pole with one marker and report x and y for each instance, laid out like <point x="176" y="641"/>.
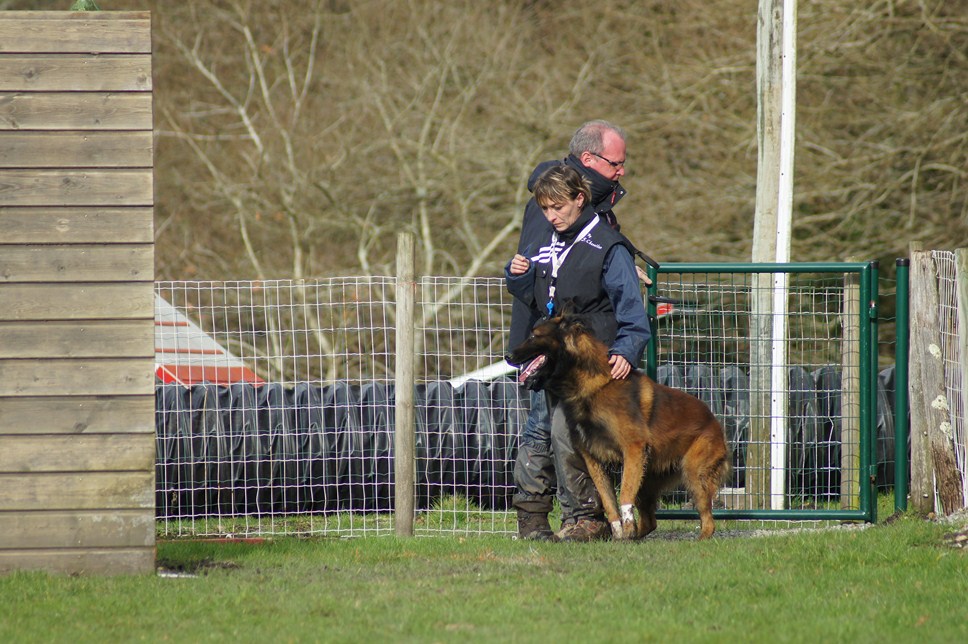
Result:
<point x="776" y="107"/>
<point x="784" y="213"/>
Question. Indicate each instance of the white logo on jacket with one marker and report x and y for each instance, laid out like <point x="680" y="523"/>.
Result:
<point x="545" y="252"/>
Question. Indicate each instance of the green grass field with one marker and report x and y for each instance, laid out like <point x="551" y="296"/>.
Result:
<point x="897" y="581"/>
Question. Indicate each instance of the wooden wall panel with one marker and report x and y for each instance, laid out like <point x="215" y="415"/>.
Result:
<point x="77" y="445"/>
<point x="77" y="377"/>
<point x="76" y="150"/>
<point x="78" y="491"/>
<point x="76" y="187"/>
<point x="110" y="73"/>
<point x="75" y="32"/>
<point x="75" y="111"/>
<point x="77" y="262"/>
<point x="63" y="453"/>
<point x="84" y="339"/>
<point x="57" y="529"/>
<point x="78" y="225"/>
<point x="77" y="302"/>
<point x="78" y="414"/>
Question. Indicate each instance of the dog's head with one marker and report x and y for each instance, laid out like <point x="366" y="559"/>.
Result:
<point x="545" y="349"/>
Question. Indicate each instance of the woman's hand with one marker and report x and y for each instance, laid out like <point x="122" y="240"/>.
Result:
<point x="519" y="265"/>
<point x="620" y="367"/>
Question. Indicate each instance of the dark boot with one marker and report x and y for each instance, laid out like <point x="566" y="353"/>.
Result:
<point x="585" y="530"/>
<point x="534" y="526"/>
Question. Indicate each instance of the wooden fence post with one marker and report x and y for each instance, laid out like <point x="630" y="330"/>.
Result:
<point x="931" y="447"/>
<point x="404" y="441"/>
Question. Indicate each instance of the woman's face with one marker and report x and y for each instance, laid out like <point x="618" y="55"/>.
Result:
<point x="563" y="215"/>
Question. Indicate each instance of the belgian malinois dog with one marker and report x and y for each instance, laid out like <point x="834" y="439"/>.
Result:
<point x="660" y="435"/>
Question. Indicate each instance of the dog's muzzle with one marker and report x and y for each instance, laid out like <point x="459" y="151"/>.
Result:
<point x="529" y="373"/>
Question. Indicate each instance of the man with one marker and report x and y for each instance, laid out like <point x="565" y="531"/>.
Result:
<point x="546" y="463"/>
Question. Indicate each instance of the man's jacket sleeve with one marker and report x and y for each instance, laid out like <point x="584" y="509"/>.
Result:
<point x="622" y="286"/>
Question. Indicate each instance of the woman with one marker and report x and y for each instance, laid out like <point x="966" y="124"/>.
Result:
<point x="590" y="265"/>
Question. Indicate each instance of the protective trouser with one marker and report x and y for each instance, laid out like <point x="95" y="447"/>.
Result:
<point x="547" y="465"/>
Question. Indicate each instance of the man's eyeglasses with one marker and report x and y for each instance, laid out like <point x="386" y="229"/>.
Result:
<point x="614" y="164"/>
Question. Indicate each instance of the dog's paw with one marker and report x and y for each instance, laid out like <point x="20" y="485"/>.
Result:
<point x="616" y="529"/>
<point x="629" y="529"/>
<point x="628" y="526"/>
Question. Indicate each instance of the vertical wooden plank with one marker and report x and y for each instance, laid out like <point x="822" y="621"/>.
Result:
<point x="850" y="473"/>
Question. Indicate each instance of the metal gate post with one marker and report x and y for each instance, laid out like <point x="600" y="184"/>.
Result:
<point x="901" y="426"/>
<point x="871" y="377"/>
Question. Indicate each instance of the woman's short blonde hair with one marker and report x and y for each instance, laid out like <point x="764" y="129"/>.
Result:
<point x="558" y="184"/>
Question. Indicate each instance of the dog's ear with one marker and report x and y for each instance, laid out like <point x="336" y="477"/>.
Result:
<point x="572" y="323"/>
<point x="567" y="307"/>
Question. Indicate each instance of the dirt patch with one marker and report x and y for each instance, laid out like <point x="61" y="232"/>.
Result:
<point x="193" y="569"/>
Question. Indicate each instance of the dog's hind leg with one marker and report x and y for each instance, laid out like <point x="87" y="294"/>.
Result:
<point x="703" y="499"/>
<point x="704" y="469"/>
<point x="603" y="483"/>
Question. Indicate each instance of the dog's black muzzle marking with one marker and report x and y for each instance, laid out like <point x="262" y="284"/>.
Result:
<point x="532" y="362"/>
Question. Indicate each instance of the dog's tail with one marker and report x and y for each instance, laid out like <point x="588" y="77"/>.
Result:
<point x="726" y="471"/>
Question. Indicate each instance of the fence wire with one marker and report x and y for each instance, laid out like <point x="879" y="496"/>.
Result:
<point x="707" y="341"/>
<point x="275" y="401"/>
<point x="952" y="330"/>
<point x="275" y="416"/>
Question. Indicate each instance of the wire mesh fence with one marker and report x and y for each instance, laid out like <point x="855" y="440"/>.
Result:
<point x="275" y="408"/>
<point x="792" y="413"/>
<point x="275" y="404"/>
<point x="953" y="336"/>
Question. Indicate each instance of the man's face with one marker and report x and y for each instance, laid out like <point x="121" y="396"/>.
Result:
<point x="610" y="163"/>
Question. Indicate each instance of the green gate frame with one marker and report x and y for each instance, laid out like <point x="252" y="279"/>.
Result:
<point x="868" y="277"/>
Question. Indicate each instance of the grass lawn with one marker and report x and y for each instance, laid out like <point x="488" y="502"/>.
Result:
<point x="897" y="581"/>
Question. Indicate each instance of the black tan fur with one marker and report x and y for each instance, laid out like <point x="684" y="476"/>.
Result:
<point x="660" y="435"/>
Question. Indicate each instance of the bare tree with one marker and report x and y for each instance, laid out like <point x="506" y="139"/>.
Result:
<point x="320" y="133"/>
<point x="322" y="130"/>
<point x="298" y="138"/>
<point x="248" y="131"/>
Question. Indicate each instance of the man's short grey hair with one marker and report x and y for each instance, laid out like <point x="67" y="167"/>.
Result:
<point x="588" y="138"/>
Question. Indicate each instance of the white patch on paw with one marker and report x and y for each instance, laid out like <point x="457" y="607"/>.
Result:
<point x="617" y="529"/>
<point x="627" y="514"/>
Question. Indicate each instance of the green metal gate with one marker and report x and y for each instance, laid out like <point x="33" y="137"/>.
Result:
<point x="792" y="349"/>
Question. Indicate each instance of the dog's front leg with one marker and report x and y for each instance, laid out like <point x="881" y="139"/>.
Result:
<point x="633" y="469"/>
<point x="605" y="490"/>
